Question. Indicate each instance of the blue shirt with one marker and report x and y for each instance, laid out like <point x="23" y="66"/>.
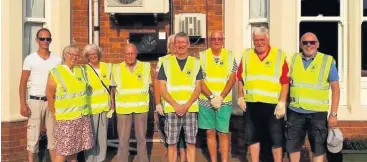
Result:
<point x="333" y="76"/>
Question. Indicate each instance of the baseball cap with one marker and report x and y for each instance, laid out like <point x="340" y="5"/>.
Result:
<point x="335" y="140"/>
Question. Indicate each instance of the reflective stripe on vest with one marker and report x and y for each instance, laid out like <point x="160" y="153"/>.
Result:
<point x="261" y="87"/>
<point x="182" y="84"/>
<point x="99" y="98"/>
<point x="71" y="93"/>
<point x="128" y="99"/>
<point x="216" y="79"/>
<point x="310" y="96"/>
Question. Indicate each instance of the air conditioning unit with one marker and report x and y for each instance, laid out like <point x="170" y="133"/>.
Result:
<point x="193" y="24"/>
<point x="136" y="6"/>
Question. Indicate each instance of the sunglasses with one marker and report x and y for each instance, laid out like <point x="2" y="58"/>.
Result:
<point x="216" y="39"/>
<point x="309" y="42"/>
<point x="47" y="39"/>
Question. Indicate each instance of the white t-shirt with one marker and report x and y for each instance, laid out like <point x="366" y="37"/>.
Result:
<point x="39" y="72"/>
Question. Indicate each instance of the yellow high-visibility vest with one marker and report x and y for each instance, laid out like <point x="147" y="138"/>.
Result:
<point x="159" y="64"/>
<point x="217" y="73"/>
<point x="181" y="83"/>
<point x="100" y="98"/>
<point x="309" y="88"/>
<point x="261" y="78"/>
<point x="71" y="92"/>
<point x="132" y="91"/>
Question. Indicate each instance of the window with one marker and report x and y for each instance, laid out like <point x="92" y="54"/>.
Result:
<point x="364" y="41"/>
<point x="326" y="20"/>
<point x="257" y="16"/>
<point x="35" y="16"/>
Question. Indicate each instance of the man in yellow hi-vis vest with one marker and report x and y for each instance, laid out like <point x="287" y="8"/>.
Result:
<point x="262" y="92"/>
<point x="219" y="67"/>
<point x="312" y="73"/>
<point x="180" y="85"/>
<point x="132" y="79"/>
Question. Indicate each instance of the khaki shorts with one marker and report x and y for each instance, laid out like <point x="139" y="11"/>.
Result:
<point x="39" y="114"/>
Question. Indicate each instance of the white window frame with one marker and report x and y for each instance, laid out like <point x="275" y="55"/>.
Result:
<point x="46" y="20"/>
<point x="364" y="19"/>
<point x="247" y="34"/>
<point x="342" y="37"/>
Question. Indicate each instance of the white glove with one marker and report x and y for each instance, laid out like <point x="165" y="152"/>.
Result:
<point x="241" y="102"/>
<point x="109" y="113"/>
<point x="280" y="110"/>
<point x="217" y="102"/>
<point x="159" y="109"/>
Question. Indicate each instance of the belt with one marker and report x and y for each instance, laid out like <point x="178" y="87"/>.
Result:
<point x="44" y="98"/>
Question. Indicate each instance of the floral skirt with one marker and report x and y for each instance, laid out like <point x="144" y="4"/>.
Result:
<point x="73" y="136"/>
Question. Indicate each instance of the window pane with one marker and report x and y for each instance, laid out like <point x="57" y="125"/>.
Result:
<point x="257" y="25"/>
<point x="30" y="31"/>
<point x="258" y="9"/>
<point x="364" y="49"/>
<point x="364" y="7"/>
<point x="327" y="33"/>
<point x="35" y="8"/>
<point x="323" y="7"/>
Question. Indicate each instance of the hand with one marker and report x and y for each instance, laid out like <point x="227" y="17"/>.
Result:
<point x="332" y="121"/>
<point x="25" y="111"/>
<point x="159" y="109"/>
<point x="280" y="110"/>
<point x="241" y="102"/>
<point x="178" y="109"/>
<point x="216" y="102"/>
<point x="110" y="113"/>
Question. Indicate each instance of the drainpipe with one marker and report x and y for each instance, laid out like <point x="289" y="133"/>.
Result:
<point x="96" y="22"/>
<point x="90" y="29"/>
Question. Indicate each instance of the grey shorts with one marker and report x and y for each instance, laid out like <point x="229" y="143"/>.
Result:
<point x="174" y="123"/>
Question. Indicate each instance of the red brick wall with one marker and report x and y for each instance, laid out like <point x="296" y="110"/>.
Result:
<point x="14" y="141"/>
<point x="112" y="37"/>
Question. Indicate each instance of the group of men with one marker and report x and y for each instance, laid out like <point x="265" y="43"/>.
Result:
<point x="282" y="97"/>
<point x="197" y="94"/>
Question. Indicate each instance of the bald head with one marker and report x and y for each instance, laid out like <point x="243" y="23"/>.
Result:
<point x="216" y="40"/>
<point x="309" y="35"/>
<point x="309" y="44"/>
<point x="130" y="52"/>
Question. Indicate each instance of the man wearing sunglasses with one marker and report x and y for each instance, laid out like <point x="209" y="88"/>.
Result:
<point x="262" y="93"/>
<point x="215" y="101"/>
<point x="35" y="72"/>
<point x="312" y="73"/>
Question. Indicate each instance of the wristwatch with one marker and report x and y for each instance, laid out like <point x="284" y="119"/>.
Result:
<point x="211" y="97"/>
<point x="334" y="114"/>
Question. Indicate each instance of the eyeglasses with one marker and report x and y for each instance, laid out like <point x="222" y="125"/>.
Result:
<point x="73" y="54"/>
<point x="309" y="42"/>
<point x="47" y="39"/>
<point x="216" y="39"/>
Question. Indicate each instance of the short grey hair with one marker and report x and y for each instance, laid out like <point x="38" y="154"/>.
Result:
<point x="260" y="30"/>
<point x="90" y="47"/>
<point x="67" y="50"/>
<point x="182" y="34"/>
<point x="170" y="40"/>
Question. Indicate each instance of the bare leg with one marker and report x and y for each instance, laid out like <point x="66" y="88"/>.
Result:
<point x="172" y="153"/>
<point x="224" y="146"/>
<point x="191" y="152"/>
<point x="59" y="158"/>
<point x="212" y="144"/>
<point x="295" y="156"/>
<point x="52" y="154"/>
<point x="255" y="151"/>
<point x="319" y="158"/>
<point x="31" y="157"/>
<point x="277" y="154"/>
<point x="183" y="155"/>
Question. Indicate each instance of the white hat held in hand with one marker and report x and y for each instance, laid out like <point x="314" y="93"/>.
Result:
<point x="335" y="140"/>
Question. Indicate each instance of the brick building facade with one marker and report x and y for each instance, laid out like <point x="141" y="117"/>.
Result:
<point x="113" y="37"/>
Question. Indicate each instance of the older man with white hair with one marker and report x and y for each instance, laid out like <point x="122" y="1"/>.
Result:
<point x="263" y="88"/>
